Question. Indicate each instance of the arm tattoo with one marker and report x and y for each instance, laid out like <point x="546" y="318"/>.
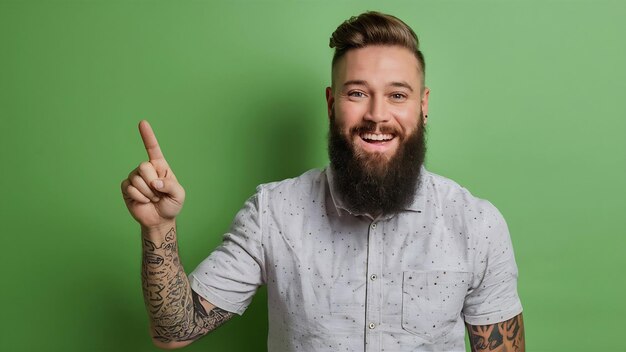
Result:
<point x="175" y="310"/>
<point x="507" y="336"/>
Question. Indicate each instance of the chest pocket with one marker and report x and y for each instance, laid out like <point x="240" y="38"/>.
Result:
<point x="432" y="301"/>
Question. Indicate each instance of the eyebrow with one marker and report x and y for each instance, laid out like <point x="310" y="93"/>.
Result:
<point x="401" y="84"/>
<point x="354" y="82"/>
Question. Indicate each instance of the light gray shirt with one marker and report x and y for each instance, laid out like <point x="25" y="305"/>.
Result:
<point x="340" y="281"/>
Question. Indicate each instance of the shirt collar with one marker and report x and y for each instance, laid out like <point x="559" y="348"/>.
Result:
<point x="417" y="205"/>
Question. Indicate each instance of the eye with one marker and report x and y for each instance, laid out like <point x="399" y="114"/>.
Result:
<point x="398" y="96"/>
<point x="356" y="94"/>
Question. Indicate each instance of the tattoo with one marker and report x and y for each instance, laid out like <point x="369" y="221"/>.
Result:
<point x="197" y="304"/>
<point x="215" y="317"/>
<point x="175" y="310"/>
<point x="153" y="260"/>
<point x="507" y="336"/>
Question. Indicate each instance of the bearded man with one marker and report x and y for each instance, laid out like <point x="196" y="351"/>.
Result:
<point x="373" y="253"/>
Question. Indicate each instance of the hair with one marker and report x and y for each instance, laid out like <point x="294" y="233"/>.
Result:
<point x="375" y="28"/>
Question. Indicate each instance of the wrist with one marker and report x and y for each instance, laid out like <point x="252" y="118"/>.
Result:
<point x="159" y="230"/>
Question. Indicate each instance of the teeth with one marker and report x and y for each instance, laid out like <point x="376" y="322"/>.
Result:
<point x="377" y="137"/>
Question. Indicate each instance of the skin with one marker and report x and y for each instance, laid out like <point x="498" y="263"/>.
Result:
<point x="380" y="85"/>
<point x="153" y="196"/>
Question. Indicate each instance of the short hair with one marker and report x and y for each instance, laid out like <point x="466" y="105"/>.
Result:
<point x="375" y="28"/>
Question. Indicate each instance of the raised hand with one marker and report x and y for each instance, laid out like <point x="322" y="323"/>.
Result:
<point x="152" y="194"/>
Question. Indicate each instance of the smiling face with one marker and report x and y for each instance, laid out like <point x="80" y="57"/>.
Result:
<point x="376" y="138"/>
<point x="377" y="99"/>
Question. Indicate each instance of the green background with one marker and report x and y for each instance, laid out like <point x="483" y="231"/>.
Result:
<point x="527" y="110"/>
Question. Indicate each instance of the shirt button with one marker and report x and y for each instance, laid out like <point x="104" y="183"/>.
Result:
<point x="374" y="225"/>
<point x="373" y="277"/>
<point x="372" y="325"/>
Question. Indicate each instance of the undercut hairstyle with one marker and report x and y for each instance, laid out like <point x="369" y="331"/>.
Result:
<point x="375" y="28"/>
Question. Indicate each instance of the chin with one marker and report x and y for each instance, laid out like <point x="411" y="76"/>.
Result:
<point x="379" y="156"/>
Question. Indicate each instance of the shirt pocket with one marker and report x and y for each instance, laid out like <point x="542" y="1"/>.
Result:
<point x="432" y="301"/>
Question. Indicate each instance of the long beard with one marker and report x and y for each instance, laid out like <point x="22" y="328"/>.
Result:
<point x="373" y="183"/>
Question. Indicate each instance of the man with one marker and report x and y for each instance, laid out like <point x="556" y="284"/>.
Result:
<point x="373" y="253"/>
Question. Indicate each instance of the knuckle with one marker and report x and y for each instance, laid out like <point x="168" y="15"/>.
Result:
<point x="181" y="192"/>
<point x="134" y="172"/>
<point x="135" y="179"/>
<point x="145" y="166"/>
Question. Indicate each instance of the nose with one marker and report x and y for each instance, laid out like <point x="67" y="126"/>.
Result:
<point x="377" y="111"/>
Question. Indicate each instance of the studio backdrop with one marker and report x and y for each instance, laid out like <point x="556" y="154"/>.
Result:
<point x="527" y="110"/>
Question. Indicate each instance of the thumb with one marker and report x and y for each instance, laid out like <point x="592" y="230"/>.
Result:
<point x="170" y="187"/>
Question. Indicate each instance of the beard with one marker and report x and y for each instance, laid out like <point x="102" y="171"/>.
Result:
<point x="373" y="183"/>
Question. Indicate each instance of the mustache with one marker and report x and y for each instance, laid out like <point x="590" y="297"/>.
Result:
<point x="372" y="127"/>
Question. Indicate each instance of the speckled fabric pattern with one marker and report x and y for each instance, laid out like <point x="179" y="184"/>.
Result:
<point x="339" y="281"/>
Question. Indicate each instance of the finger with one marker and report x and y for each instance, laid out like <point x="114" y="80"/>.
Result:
<point x="150" y="141"/>
<point x="137" y="181"/>
<point x="125" y="184"/>
<point x="171" y="187"/>
<point x="134" y="194"/>
<point x="140" y="184"/>
<point x="148" y="172"/>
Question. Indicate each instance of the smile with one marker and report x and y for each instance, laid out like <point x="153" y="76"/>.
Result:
<point x="376" y="137"/>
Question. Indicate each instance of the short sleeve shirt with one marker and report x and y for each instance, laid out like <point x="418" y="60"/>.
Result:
<point x="343" y="281"/>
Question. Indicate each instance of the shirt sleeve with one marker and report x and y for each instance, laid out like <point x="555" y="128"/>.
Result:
<point x="494" y="298"/>
<point x="230" y="276"/>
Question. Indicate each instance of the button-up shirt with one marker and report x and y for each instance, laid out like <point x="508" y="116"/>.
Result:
<point x="343" y="281"/>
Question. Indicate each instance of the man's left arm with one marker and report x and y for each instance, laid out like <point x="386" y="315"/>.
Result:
<point x="507" y="336"/>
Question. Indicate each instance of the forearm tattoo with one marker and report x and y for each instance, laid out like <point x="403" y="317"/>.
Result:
<point x="174" y="309"/>
<point x="507" y="336"/>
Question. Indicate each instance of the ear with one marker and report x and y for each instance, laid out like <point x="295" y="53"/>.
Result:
<point x="330" y="101"/>
<point x="424" y="103"/>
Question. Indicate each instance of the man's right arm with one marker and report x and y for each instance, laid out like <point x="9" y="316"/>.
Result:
<point x="154" y="198"/>
<point x="178" y="315"/>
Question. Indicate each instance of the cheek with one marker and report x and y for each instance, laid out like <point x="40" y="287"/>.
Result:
<point x="408" y="120"/>
<point x="349" y="114"/>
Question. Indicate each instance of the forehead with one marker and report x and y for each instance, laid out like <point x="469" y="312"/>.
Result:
<point x="377" y="64"/>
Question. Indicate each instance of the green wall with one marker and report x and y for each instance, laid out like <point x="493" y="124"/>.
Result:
<point x="527" y="110"/>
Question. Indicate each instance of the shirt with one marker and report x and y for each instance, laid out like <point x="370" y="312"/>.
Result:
<point x="340" y="281"/>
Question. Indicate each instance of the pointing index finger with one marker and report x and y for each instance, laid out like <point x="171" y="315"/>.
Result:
<point x="150" y="141"/>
